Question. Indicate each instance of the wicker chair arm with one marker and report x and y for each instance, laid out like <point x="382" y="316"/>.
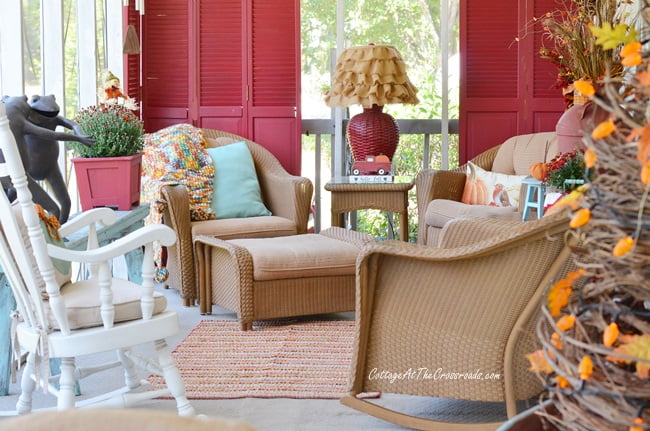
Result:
<point x="486" y="158"/>
<point x="508" y="238"/>
<point x="471" y="229"/>
<point x="358" y="239"/>
<point x="433" y="184"/>
<point x="240" y="265"/>
<point x="287" y="196"/>
<point x="177" y="216"/>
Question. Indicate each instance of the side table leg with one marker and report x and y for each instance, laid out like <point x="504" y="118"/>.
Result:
<point x="404" y="226"/>
<point x="338" y="219"/>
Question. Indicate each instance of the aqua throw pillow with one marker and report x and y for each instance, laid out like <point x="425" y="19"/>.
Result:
<point x="236" y="189"/>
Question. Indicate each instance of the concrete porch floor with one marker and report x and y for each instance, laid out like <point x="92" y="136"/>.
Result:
<point x="279" y="414"/>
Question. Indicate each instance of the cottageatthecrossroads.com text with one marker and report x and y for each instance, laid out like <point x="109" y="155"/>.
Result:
<point x="424" y="373"/>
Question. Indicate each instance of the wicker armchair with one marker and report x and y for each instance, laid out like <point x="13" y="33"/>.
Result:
<point x="288" y="198"/>
<point x="469" y="307"/>
<point x="514" y="156"/>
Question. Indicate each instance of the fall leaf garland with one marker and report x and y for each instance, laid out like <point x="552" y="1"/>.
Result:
<point x="594" y="329"/>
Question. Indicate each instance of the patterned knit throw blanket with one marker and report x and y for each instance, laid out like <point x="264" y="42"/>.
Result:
<point x="177" y="155"/>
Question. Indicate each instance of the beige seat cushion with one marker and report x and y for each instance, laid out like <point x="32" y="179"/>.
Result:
<point x="299" y="256"/>
<point x="82" y="303"/>
<point x="251" y="227"/>
<point x="517" y="154"/>
<point x="440" y="211"/>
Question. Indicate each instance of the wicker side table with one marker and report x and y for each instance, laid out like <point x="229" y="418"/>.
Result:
<point x="393" y="197"/>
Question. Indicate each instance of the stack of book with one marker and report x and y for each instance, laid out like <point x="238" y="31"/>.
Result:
<point x="371" y="178"/>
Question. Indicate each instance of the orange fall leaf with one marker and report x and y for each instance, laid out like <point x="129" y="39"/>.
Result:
<point x="555" y="341"/>
<point x="632" y="60"/>
<point x="538" y="362"/>
<point x="637" y="346"/>
<point x="574" y="276"/>
<point x="566" y="322"/>
<point x="630" y="48"/>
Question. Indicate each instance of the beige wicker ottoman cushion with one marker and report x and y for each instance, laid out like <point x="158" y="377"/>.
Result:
<point x="263" y="278"/>
<point x="299" y="256"/>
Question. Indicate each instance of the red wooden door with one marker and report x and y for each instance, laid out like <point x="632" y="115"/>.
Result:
<point x="221" y="58"/>
<point x="230" y="65"/>
<point x="131" y="81"/>
<point x="505" y="88"/>
<point x="274" y="79"/>
<point x="166" y="64"/>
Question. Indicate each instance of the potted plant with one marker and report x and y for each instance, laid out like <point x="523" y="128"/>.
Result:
<point x="108" y="172"/>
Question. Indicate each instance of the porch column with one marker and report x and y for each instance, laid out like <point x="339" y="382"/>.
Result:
<point x="87" y="52"/>
<point x="11" y="53"/>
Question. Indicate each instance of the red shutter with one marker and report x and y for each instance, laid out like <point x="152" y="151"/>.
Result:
<point x="489" y="105"/>
<point x="547" y="104"/>
<point x="230" y="65"/>
<point x="221" y="59"/>
<point x="505" y="88"/>
<point x="165" y="56"/>
<point x="131" y="77"/>
<point x="274" y="77"/>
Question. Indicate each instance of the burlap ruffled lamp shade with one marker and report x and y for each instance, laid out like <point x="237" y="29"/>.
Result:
<point x="371" y="76"/>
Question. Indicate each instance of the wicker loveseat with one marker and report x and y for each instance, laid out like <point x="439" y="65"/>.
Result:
<point x="439" y="192"/>
<point x="288" y="198"/>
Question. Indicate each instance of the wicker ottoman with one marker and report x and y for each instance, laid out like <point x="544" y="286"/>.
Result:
<point x="265" y="278"/>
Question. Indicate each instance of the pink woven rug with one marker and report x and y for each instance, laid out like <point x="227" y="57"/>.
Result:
<point x="274" y="360"/>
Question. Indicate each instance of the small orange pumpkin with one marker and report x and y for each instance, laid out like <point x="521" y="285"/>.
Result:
<point x="475" y="192"/>
<point x="539" y="170"/>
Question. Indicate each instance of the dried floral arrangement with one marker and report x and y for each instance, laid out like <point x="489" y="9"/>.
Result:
<point x="595" y="327"/>
<point x="570" y="45"/>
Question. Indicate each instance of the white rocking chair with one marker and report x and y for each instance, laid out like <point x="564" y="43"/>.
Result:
<point x="59" y="319"/>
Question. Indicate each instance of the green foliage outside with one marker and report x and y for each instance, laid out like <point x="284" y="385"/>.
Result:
<point x="413" y="27"/>
<point x="32" y="50"/>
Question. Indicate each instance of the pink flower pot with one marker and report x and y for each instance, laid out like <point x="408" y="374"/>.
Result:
<point x="108" y="181"/>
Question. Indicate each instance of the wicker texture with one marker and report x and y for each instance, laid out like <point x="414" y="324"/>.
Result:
<point x="514" y="156"/>
<point x="285" y="195"/>
<point x="433" y="184"/>
<point x="372" y="133"/>
<point x="468" y="308"/>
<point x="391" y="197"/>
<point x="227" y="280"/>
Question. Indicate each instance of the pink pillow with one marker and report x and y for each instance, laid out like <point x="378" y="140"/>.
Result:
<point x="491" y="188"/>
